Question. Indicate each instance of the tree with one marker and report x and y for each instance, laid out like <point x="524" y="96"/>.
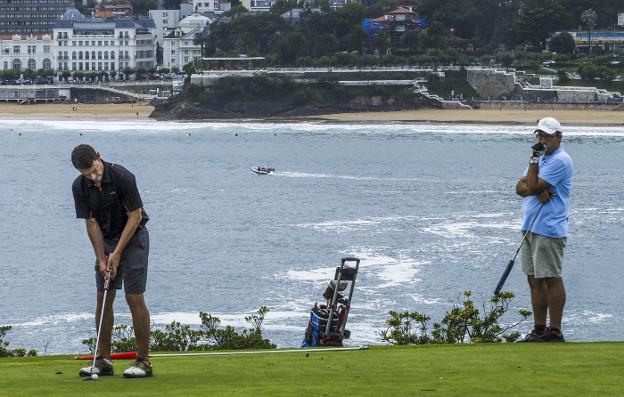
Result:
<point x="159" y="54"/>
<point x="589" y="17"/>
<point x="141" y="7"/>
<point x="171" y="4"/>
<point x="434" y="36"/>
<point x="189" y="69"/>
<point x="536" y="20"/>
<point x="562" y="43"/>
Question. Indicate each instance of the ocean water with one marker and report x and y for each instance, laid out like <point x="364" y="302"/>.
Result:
<point x="429" y="208"/>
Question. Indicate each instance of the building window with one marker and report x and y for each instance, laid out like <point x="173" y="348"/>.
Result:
<point x="17" y="64"/>
<point x="16" y="49"/>
<point x="46" y="49"/>
<point x="47" y="64"/>
<point x="32" y="65"/>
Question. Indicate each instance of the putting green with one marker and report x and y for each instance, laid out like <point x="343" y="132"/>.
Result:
<point x="570" y="369"/>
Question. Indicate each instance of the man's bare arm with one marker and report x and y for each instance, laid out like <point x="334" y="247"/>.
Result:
<point x="522" y="190"/>
<point x="134" y="220"/>
<point x="535" y="185"/>
<point x="97" y="240"/>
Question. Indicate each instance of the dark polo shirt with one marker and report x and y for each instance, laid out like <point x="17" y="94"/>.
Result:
<point x="110" y="204"/>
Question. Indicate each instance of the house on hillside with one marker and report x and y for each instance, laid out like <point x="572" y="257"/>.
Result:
<point x="113" y="10"/>
<point x="181" y="45"/>
<point x="294" y="16"/>
<point x="394" y="24"/>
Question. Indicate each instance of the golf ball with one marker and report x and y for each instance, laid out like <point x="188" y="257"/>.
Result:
<point x="94" y="377"/>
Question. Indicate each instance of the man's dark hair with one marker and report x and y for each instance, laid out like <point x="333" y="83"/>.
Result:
<point x="82" y="156"/>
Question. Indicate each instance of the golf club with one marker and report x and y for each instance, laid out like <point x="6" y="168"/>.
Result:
<point x="97" y="337"/>
<point x="503" y="278"/>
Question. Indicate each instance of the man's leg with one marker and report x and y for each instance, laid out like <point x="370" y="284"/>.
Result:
<point x="140" y="322"/>
<point x="556" y="300"/>
<point x="539" y="299"/>
<point x="104" y="347"/>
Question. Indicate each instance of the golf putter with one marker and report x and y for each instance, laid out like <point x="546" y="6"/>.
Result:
<point x="503" y="278"/>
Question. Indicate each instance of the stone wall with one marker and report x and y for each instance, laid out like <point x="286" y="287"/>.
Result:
<point x="490" y="83"/>
<point x="520" y="105"/>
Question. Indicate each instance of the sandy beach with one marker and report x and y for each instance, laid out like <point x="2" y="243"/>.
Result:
<point x="75" y="111"/>
<point x="570" y="117"/>
<point x="136" y="111"/>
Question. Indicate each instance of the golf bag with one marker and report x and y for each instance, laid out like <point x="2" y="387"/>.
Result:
<point x="326" y="326"/>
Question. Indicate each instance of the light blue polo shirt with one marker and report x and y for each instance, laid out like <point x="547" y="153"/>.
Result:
<point x="552" y="221"/>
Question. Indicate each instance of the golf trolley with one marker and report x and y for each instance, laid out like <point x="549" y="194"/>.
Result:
<point x="327" y="322"/>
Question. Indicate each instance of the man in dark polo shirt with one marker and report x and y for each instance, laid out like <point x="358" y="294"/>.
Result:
<point x="107" y="197"/>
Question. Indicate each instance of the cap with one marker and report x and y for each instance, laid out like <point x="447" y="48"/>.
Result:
<point x="548" y="125"/>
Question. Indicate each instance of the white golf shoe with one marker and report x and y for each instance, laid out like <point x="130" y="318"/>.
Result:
<point x="102" y="367"/>
<point x="139" y="369"/>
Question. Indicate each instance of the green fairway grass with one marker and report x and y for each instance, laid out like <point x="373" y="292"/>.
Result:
<point x="570" y="369"/>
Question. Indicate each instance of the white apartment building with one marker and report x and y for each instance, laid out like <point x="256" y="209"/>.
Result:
<point x="165" y="21"/>
<point x="257" y="5"/>
<point x="26" y="51"/>
<point x="179" y="46"/>
<point x="215" y="6"/>
<point x="96" y="45"/>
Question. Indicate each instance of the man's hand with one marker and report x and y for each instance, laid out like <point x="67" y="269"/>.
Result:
<point x="537" y="150"/>
<point x="113" y="264"/>
<point x="103" y="265"/>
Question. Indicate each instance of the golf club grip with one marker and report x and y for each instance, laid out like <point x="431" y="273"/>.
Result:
<point x="503" y="278"/>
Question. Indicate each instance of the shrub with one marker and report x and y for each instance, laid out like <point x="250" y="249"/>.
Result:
<point x="210" y="336"/>
<point x="464" y="323"/>
<point x="6" y="352"/>
<point x="562" y="43"/>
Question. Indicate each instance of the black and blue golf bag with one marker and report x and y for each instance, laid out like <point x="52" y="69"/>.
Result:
<point x="326" y="326"/>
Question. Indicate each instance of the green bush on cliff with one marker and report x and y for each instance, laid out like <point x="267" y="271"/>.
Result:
<point x="324" y="92"/>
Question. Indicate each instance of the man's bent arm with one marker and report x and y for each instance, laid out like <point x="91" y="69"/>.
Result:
<point x="522" y="190"/>
<point x="97" y="240"/>
<point x="134" y="220"/>
<point x="535" y="185"/>
<point x="521" y="187"/>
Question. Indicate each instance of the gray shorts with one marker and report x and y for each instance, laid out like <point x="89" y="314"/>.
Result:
<point x="543" y="256"/>
<point x="132" y="266"/>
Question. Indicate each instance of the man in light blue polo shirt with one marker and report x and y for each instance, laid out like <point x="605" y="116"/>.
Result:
<point x="546" y="184"/>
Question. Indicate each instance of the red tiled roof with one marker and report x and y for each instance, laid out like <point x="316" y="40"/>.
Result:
<point x="384" y="18"/>
<point x="401" y="10"/>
